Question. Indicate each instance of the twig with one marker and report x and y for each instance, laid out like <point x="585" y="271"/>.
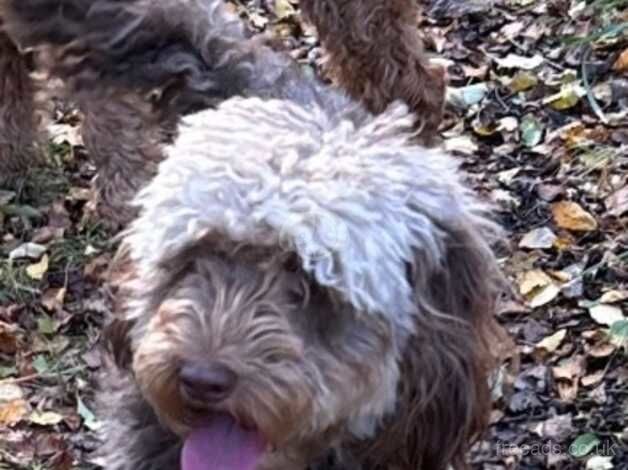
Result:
<point x="587" y="86"/>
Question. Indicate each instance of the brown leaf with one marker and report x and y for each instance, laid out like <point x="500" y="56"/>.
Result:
<point x="621" y="64"/>
<point x="571" y="216"/>
<point x="8" y="338"/>
<point x="617" y="203"/>
<point x="552" y="342"/>
<point x="13" y="406"/>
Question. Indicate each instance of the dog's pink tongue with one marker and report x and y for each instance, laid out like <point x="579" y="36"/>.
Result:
<point x="222" y="445"/>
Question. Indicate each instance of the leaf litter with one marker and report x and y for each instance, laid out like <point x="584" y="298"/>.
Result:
<point x="538" y="116"/>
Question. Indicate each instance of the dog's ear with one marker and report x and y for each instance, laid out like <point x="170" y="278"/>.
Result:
<point x="444" y="397"/>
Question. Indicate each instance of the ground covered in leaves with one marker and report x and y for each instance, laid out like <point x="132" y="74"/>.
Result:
<point x="538" y="115"/>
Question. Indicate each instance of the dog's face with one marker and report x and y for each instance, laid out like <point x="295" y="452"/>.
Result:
<point x="253" y="338"/>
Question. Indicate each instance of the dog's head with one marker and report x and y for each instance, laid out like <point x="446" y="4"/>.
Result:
<point x="297" y="277"/>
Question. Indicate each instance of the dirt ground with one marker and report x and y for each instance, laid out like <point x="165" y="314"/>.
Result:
<point x="538" y="115"/>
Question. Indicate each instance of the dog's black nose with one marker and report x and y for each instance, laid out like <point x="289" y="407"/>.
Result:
<point x="211" y="382"/>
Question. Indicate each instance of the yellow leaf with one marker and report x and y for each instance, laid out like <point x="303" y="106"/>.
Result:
<point x="523" y="81"/>
<point x="571" y="216"/>
<point x="568" y="97"/>
<point x="551" y="343"/>
<point x="538" y="288"/>
<point x="530" y="280"/>
<point x="283" y="9"/>
<point x="45" y="418"/>
<point x="38" y="270"/>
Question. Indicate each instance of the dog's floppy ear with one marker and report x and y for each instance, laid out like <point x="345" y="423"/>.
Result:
<point x="444" y="398"/>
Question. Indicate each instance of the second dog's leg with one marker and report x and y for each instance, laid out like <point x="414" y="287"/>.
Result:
<point x="17" y="119"/>
<point x="376" y="55"/>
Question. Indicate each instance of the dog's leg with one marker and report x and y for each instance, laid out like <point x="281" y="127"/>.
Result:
<point x="124" y="136"/>
<point x="17" y="119"/>
<point x="376" y="55"/>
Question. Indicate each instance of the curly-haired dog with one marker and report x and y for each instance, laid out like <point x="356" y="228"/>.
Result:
<point x="302" y="278"/>
<point x="376" y="54"/>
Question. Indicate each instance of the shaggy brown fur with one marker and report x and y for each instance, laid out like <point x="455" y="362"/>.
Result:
<point x="375" y="53"/>
<point x="18" y="134"/>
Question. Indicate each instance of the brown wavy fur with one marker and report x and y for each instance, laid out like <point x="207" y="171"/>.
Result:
<point x="18" y="135"/>
<point x="376" y="54"/>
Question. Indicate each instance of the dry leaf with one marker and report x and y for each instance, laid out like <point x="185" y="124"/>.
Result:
<point x="284" y="9"/>
<point x="592" y="379"/>
<point x="45" y="418"/>
<point x="621" y="64"/>
<point x="571" y="216"/>
<point x="28" y="250"/>
<point x="606" y="314"/>
<point x="515" y="61"/>
<point x="617" y="203"/>
<point x="552" y="342"/>
<point x="8" y="338"/>
<point x="613" y="296"/>
<point x="537" y="287"/>
<point x="38" y="270"/>
<point x="538" y="238"/>
<point x="13" y="407"/>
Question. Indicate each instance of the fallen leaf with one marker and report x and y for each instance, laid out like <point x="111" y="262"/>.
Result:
<point x="621" y="64"/>
<point x="619" y="332"/>
<point x="592" y="379"/>
<point x="617" y="203"/>
<point x="284" y="9"/>
<point x="45" y="418"/>
<point x="569" y="369"/>
<point x="537" y="287"/>
<point x="606" y="314"/>
<point x="508" y="124"/>
<point x="531" y="131"/>
<point x="567" y="97"/>
<point x="600" y="462"/>
<point x="8" y="338"/>
<point x="515" y="61"/>
<point x="47" y="325"/>
<point x="583" y="445"/>
<point x="523" y="81"/>
<point x="463" y="144"/>
<point x="571" y="216"/>
<point x="613" y="296"/>
<point x="467" y="96"/>
<point x="552" y="342"/>
<point x="13" y="407"/>
<point x="28" y="250"/>
<point x="38" y="270"/>
<point x="539" y="238"/>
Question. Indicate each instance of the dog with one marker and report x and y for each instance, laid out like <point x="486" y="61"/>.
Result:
<point x="302" y="279"/>
<point x="376" y="55"/>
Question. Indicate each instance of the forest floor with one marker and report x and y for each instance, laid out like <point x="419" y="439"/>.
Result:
<point x="537" y="114"/>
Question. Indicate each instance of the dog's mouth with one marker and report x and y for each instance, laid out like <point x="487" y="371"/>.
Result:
<point x="222" y="444"/>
